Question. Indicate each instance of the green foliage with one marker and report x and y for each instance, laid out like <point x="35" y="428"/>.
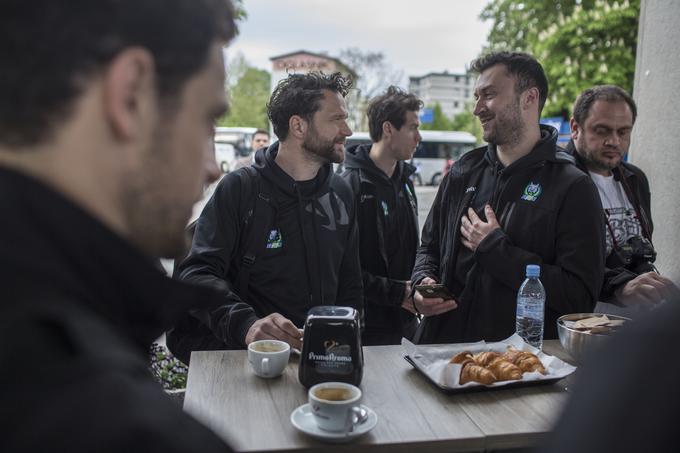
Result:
<point x="467" y="122"/>
<point x="249" y="96"/>
<point x="580" y="43"/>
<point x="439" y="121"/>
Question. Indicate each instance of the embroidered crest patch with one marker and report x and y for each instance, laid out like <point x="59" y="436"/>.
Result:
<point x="274" y="241"/>
<point x="532" y="191"/>
<point x="384" y="208"/>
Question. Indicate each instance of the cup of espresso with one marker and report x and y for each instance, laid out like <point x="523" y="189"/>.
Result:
<point x="335" y="405"/>
<point x="268" y="357"/>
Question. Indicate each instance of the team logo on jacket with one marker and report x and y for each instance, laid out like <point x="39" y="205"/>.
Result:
<point x="384" y="208"/>
<point x="532" y="191"/>
<point x="274" y="240"/>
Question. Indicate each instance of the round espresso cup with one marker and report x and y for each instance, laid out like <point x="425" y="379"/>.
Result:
<point x="268" y="357"/>
<point x="335" y="405"/>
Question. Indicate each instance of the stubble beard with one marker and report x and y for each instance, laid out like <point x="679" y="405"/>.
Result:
<point x="593" y="163"/>
<point x="508" y="126"/>
<point x="322" y="150"/>
<point x="156" y="221"/>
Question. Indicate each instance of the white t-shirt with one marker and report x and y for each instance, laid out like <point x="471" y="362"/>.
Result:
<point x="618" y="210"/>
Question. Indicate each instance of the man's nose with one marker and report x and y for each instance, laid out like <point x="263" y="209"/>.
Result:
<point x="479" y="106"/>
<point x="614" y="139"/>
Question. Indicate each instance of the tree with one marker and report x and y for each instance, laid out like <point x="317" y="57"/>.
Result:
<point x="373" y="75"/>
<point x="579" y="42"/>
<point x="466" y="121"/>
<point x="439" y="121"/>
<point x="249" y="96"/>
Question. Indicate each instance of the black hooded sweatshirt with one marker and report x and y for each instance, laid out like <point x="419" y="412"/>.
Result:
<point x="310" y="258"/>
<point x="387" y="218"/>
<point x="549" y="213"/>
<point x="79" y="308"/>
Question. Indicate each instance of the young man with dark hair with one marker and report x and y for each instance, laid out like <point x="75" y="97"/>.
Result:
<point x="515" y="202"/>
<point x="279" y="237"/>
<point x="601" y="129"/>
<point x="105" y="122"/>
<point x="387" y="214"/>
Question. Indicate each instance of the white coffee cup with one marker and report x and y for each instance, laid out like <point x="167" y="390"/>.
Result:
<point x="335" y="405"/>
<point x="268" y="357"/>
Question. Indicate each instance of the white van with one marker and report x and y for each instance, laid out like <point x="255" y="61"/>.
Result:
<point x="432" y="153"/>
<point x="231" y="143"/>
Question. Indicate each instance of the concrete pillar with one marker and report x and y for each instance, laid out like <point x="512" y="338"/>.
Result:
<point x="655" y="143"/>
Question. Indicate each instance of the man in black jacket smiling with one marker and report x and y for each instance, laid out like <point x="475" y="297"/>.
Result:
<point x="516" y="202"/>
<point x="308" y="254"/>
<point x="387" y="214"/>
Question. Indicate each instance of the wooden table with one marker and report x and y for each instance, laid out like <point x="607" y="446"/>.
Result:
<point x="252" y="414"/>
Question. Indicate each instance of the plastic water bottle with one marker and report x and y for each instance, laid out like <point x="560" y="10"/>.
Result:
<point x="531" y="307"/>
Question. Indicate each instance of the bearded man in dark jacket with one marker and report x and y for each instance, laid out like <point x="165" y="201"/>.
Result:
<point x="309" y="254"/>
<point x="601" y="129"/>
<point x="516" y="202"/>
<point x="387" y="215"/>
<point x="107" y="109"/>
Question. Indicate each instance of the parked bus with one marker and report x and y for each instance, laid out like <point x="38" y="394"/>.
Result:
<point x="432" y="153"/>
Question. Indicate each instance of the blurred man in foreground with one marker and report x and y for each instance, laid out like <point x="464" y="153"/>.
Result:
<point x="105" y="122"/>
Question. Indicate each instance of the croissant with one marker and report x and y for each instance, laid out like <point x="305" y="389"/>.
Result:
<point x="504" y="370"/>
<point x="473" y="372"/>
<point x="526" y="361"/>
<point x="485" y="358"/>
<point x="461" y="357"/>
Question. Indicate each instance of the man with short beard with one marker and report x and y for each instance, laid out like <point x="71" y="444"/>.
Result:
<point x="601" y="129"/>
<point x="106" y="115"/>
<point x="308" y="255"/>
<point x="515" y="202"/>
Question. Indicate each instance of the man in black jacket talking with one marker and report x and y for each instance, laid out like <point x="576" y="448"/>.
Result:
<point x="387" y="214"/>
<point x="515" y="202"/>
<point x="280" y="237"/>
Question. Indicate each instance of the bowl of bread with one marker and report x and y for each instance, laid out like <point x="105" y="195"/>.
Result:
<point x="581" y="332"/>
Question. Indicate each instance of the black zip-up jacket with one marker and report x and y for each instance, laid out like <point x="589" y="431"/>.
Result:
<point x="79" y="308"/>
<point x="386" y="209"/>
<point x="315" y="263"/>
<point x="550" y="214"/>
<point x="636" y="187"/>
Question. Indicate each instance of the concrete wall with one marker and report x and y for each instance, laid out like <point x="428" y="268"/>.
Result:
<point x="656" y="137"/>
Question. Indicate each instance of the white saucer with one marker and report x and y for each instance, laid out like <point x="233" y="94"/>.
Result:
<point x="303" y="420"/>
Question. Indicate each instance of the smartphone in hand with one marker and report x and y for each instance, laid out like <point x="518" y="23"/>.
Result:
<point x="434" y="290"/>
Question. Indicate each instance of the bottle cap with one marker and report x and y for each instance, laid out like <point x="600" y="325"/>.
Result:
<point x="533" y="270"/>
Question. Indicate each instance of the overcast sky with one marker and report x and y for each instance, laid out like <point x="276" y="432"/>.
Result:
<point x="416" y="36"/>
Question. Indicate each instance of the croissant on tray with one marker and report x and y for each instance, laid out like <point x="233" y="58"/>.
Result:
<point x="526" y="361"/>
<point x="473" y="372"/>
<point x="488" y="367"/>
<point x="504" y="370"/>
<point x="485" y="358"/>
<point x="461" y="357"/>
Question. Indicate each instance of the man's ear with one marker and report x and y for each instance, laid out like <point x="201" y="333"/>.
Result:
<point x="387" y="129"/>
<point x="531" y="98"/>
<point x="297" y="126"/>
<point x="130" y="93"/>
<point x="575" y="129"/>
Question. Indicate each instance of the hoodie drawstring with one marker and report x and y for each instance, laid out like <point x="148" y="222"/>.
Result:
<point x="301" y="212"/>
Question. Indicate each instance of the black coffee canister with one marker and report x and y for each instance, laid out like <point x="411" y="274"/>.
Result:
<point x="331" y="346"/>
